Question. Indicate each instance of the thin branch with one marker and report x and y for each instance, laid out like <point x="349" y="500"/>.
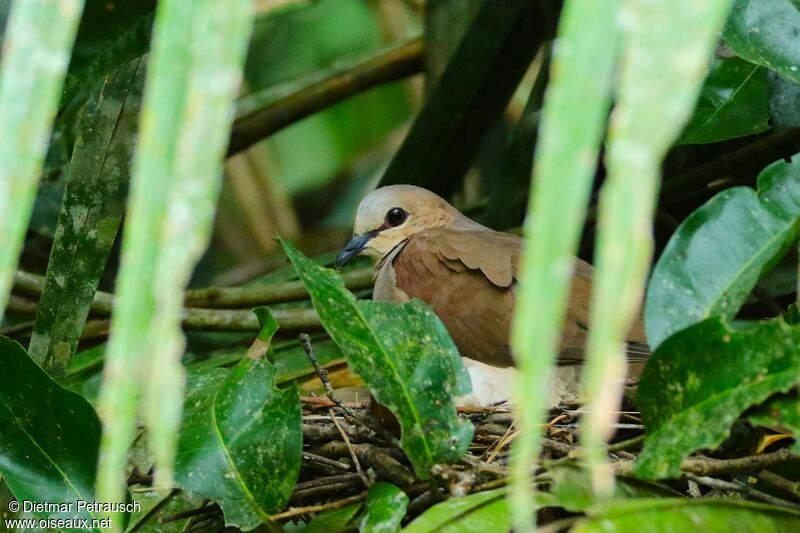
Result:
<point x="298" y="511"/>
<point x="780" y="482"/>
<point x="747" y="490"/>
<point x="394" y="64"/>
<point x="213" y="297"/>
<point x="382" y="432"/>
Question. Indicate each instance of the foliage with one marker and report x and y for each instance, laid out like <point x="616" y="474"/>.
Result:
<point x="211" y="409"/>
<point x="400" y="353"/>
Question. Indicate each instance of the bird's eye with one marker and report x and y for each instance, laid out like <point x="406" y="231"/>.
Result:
<point x="396" y="216"/>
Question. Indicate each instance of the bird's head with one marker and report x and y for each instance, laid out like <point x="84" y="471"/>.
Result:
<point x="390" y="215"/>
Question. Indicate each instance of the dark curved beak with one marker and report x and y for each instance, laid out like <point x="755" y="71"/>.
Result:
<point x="352" y="249"/>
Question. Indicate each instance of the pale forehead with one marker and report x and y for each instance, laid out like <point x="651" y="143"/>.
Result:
<point x="407" y="197"/>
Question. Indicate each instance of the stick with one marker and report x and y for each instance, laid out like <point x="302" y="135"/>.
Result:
<point x="297" y="511"/>
<point x="747" y="490"/>
<point x="382" y="432"/>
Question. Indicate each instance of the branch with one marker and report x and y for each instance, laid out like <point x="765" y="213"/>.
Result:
<point x="275" y="113"/>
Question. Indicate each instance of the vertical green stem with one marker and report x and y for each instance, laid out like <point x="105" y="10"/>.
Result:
<point x="36" y="51"/>
<point x="193" y="78"/>
<point x="572" y="124"/>
<point x="667" y="45"/>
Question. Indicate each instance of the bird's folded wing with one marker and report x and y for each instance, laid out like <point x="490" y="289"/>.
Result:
<point x="468" y="278"/>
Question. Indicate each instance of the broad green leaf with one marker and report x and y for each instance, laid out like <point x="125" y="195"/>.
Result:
<point x="781" y="410"/>
<point x="31" y="74"/>
<point x="477" y="513"/>
<point x="667" y="47"/>
<point x="679" y="515"/>
<point x="406" y="357"/>
<point x="386" y="507"/>
<point x="765" y="32"/>
<point x="784" y="101"/>
<point x="242" y="438"/>
<point x="572" y="489"/>
<point x="717" y="254"/>
<point x="49" y="438"/>
<point x="733" y="103"/>
<point x="109" y="35"/>
<point x="703" y="378"/>
<point x="193" y="78"/>
<point x="572" y="122"/>
<point x="93" y="205"/>
<point x="471" y="93"/>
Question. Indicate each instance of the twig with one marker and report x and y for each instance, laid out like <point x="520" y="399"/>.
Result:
<point x="747" y="490"/>
<point x="394" y="64"/>
<point x="305" y="342"/>
<point x="378" y="459"/>
<point x="324" y="461"/>
<point x="349" y="445"/>
<point x="298" y="511"/>
<point x="780" y="482"/>
<point x="207" y="509"/>
<point x="215" y="297"/>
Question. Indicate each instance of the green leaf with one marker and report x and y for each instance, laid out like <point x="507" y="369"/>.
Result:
<point x="733" y="103"/>
<point x="471" y="93"/>
<point x="93" y="205"/>
<point x="241" y="440"/>
<point x="717" y="254"/>
<point x="49" y="438"/>
<point x="781" y="410"/>
<point x="405" y="356"/>
<point x="110" y="34"/>
<point x="31" y="74"/>
<point x="476" y="513"/>
<point x="703" y="378"/>
<point x="706" y="515"/>
<point x="572" y="489"/>
<point x="157" y="505"/>
<point x="784" y="101"/>
<point x="764" y="32"/>
<point x="386" y="507"/>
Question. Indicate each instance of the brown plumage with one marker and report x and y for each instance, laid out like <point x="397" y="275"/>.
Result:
<point x="424" y="248"/>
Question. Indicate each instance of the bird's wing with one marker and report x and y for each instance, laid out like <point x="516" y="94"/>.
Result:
<point x="468" y="278"/>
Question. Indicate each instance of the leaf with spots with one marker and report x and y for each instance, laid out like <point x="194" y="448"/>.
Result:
<point x="386" y="507"/>
<point x="700" y="380"/>
<point x="766" y="32"/>
<point x="93" y="205"/>
<point x="242" y="438"/>
<point x="717" y="254"/>
<point x="406" y="357"/>
<point x="49" y="436"/>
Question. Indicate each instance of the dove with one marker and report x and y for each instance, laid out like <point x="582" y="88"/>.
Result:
<point x="467" y="273"/>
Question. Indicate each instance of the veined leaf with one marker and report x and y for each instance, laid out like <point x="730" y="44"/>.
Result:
<point x="733" y="103"/>
<point x="706" y="515"/>
<point x="765" y="32"/>
<point x="386" y="507"/>
<point x="703" y="378"/>
<point x="49" y="438"/>
<point x="109" y="35"/>
<point x="93" y="205"/>
<point x="717" y="254"/>
<point x="242" y="437"/>
<point x="405" y="356"/>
